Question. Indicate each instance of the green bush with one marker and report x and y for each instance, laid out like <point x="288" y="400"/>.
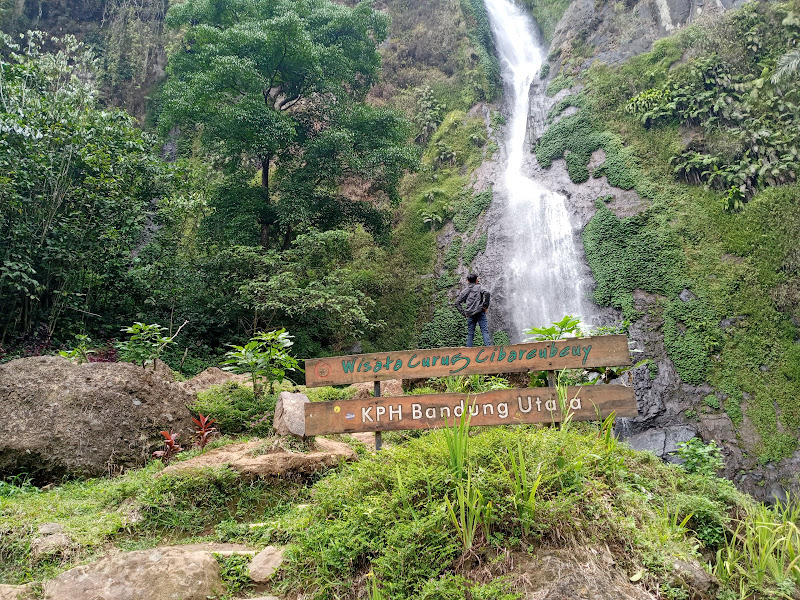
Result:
<point x="626" y="254"/>
<point x="452" y="254"/>
<point x="576" y="138"/>
<point x="236" y="409"/>
<point x="446" y="329"/>
<point x="691" y="335"/>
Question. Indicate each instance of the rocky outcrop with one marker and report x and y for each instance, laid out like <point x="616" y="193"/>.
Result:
<point x="584" y="574"/>
<point x="211" y="376"/>
<point x="618" y="31"/>
<point x="16" y="592"/>
<point x="671" y="411"/>
<point x="61" y="419"/>
<point x="290" y="414"/>
<point x="158" y="574"/>
<point x="259" y="459"/>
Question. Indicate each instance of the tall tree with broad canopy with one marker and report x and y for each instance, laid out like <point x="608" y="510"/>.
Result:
<point x="278" y="85"/>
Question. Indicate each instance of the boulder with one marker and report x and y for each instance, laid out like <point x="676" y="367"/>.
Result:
<point x="290" y="414"/>
<point x="50" y="541"/>
<point x="690" y="574"/>
<point x="259" y="459"/>
<point x="265" y="563"/>
<point x="576" y="574"/>
<point x="158" y="574"/>
<point x="62" y="419"/>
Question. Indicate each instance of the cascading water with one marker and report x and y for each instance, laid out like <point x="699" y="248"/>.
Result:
<point x="545" y="277"/>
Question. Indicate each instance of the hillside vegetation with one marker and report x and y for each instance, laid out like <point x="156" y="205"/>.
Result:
<point x="705" y="126"/>
<point x="426" y="520"/>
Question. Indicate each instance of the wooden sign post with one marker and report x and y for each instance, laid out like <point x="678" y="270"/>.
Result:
<point x="496" y="407"/>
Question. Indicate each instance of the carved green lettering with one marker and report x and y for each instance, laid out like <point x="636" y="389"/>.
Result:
<point x="564" y="351"/>
<point x="415" y="365"/>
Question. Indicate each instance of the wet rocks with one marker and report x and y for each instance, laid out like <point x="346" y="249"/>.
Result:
<point x="662" y="442"/>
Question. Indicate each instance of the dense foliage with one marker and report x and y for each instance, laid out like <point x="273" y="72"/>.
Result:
<point x="76" y="185"/>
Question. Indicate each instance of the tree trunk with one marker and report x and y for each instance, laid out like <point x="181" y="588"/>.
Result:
<point x="264" y="238"/>
<point x="287" y="239"/>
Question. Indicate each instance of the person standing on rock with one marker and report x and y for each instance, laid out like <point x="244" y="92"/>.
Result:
<point x="472" y="302"/>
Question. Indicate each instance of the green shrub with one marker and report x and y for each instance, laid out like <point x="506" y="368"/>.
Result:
<point x="576" y="138"/>
<point x="712" y="401"/>
<point x="691" y="335"/>
<point x="446" y="329"/>
<point x="705" y="459"/>
<point x="236" y="409"/>
<point x="626" y="254"/>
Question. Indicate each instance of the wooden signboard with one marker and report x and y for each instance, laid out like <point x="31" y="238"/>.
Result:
<point x="570" y="353"/>
<point x="497" y="407"/>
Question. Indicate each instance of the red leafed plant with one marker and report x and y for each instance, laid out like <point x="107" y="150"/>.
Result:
<point x="171" y="447"/>
<point x="204" y="430"/>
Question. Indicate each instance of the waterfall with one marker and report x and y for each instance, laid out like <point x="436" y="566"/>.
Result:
<point x="545" y="277"/>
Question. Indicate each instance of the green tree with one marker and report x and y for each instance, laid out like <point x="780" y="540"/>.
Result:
<point x="278" y="85"/>
<point x="74" y="183"/>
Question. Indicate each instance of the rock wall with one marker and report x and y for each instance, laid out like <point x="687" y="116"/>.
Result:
<point x="618" y="31"/>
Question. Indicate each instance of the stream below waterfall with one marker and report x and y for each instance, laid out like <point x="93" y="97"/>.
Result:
<point x="544" y="275"/>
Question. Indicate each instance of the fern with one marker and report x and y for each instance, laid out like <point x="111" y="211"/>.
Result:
<point x="788" y="67"/>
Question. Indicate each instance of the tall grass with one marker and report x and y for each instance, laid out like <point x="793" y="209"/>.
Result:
<point x="523" y="489"/>
<point x="763" y="552"/>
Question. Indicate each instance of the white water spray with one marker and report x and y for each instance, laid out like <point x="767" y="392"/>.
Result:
<point x="544" y="269"/>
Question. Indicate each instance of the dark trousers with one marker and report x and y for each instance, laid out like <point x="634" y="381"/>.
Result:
<point x="479" y="319"/>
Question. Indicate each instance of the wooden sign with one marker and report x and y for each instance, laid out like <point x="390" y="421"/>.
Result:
<point x="571" y="353"/>
<point x="497" y="407"/>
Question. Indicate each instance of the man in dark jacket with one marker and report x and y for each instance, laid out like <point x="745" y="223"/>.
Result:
<point x="472" y="302"/>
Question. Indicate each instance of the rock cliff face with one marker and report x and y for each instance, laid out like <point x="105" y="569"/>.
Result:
<point x="616" y="32"/>
<point x="619" y="30"/>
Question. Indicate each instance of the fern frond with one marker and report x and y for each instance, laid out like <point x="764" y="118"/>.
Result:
<point x="788" y="67"/>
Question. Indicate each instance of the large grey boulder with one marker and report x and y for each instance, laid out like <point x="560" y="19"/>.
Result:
<point x="290" y="414"/>
<point x="158" y="574"/>
<point x="61" y="419"/>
